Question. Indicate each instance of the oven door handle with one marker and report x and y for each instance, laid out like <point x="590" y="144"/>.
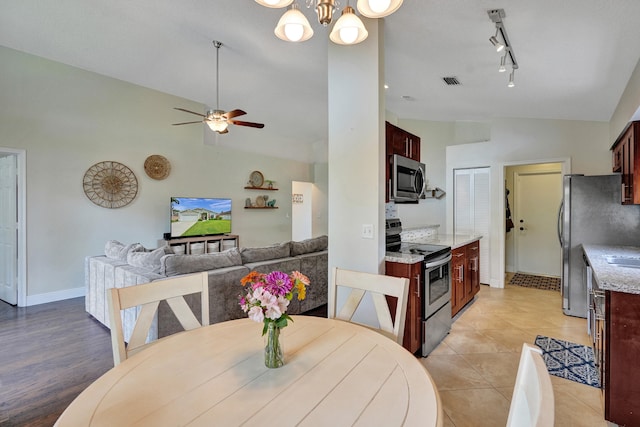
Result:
<point x="437" y="263"/>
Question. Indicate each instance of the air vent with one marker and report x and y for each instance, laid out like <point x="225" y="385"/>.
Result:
<point x="451" y="81"/>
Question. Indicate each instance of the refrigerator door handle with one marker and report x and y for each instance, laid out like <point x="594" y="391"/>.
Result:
<point x="560" y="223"/>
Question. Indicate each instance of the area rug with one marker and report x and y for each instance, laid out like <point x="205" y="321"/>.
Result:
<point x="569" y="360"/>
<point x="538" y="282"/>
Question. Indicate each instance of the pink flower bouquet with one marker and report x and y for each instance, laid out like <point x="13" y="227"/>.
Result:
<point x="269" y="295"/>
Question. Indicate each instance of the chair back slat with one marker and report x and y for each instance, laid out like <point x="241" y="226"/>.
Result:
<point x="378" y="286"/>
<point x="532" y="402"/>
<point x="148" y="297"/>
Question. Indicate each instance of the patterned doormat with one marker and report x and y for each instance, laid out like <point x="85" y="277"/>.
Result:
<point x="568" y="360"/>
<point x="538" y="282"/>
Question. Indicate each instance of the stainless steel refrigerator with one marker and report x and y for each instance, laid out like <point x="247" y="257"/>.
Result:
<point x="591" y="213"/>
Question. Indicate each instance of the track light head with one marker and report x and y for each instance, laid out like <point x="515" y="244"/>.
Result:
<point x="511" y="82"/>
<point x="502" y="68"/>
<point x="496" y="43"/>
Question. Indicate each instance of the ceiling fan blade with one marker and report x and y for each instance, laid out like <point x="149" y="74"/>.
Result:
<point x="233" y="113"/>
<point x="187" y="123"/>
<point x="188" y="111"/>
<point x="250" y="124"/>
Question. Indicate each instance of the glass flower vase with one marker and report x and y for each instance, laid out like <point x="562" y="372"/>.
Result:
<point x="273" y="354"/>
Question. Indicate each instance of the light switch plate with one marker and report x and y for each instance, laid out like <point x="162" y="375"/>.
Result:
<point x="367" y="231"/>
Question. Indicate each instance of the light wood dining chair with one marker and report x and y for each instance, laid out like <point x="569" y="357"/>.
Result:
<point x="148" y="296"/>
<point x="378" y="286"/>
<point x="532" y="402"/>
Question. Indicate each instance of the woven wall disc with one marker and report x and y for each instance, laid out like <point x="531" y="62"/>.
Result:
<point x="110" y="184"/>
<point x="157" y="167"/>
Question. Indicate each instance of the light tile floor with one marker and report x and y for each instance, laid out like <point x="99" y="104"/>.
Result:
<point x="475" y="366"/>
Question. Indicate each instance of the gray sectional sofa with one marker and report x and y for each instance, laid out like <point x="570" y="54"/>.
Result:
<point x="130" y="265"/>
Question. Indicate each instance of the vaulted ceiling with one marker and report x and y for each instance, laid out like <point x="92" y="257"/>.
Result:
<point x="575" y="59"/>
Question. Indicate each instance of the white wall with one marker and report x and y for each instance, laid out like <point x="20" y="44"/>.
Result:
<point x="356" y="154"/>
<point x="302" y="213"/>
<point x="628" y="106"/>
<point x="68" y="119"/>
<point x="434" y="138"/>
<point x="584" y="145"/>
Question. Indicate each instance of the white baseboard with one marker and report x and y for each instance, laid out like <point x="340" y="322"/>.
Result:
<point x="55" y="296"/>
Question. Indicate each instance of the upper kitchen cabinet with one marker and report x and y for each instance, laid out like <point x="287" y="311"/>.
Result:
<point x="401" y="142"/>
<point x="626" y="161"/>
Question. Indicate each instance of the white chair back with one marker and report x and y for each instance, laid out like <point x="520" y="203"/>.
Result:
<point x="532" y="403"/>
<point x="148" y="296"/>
<point x="378" y="286"/>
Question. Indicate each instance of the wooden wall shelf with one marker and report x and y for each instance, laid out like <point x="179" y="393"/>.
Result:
<point x="261" y="188"/>
<point x="261" y="207"/>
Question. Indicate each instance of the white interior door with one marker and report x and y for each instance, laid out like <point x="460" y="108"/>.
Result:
<point x="538" y="196"/>
<point x="8" y="230"/>
<point x="472" y="210"/>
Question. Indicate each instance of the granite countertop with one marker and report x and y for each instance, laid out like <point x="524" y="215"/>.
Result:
<point x="612" y="277"/>
<point x="453" y="240"/>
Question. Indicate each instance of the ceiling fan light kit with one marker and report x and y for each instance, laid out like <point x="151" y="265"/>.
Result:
<point x="219" y="120"/>
<point x="496" y="16"/>
<point x="293" y="26"/>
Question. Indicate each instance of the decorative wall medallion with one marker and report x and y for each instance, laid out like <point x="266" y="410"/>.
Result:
<point x="157" y="167"/>
<point x="110" y="184"/>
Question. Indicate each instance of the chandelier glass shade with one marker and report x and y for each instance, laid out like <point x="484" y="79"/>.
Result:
<point x="274" y="3"/>
<point x="378" y="8"/>
<point x="293" y="26"/>
<point x="349" y="29"/>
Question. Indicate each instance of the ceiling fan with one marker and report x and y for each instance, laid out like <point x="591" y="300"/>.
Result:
<point x="218" y="120"/>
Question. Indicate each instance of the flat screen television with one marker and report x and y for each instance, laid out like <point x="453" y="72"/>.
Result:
<point x="198" y="216"/>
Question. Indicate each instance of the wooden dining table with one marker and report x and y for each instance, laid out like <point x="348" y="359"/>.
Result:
<point x="336" y="373"/>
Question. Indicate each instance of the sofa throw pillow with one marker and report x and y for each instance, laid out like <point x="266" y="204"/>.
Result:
<point x="146" y="260"/>
<point x="281" y="250"/>
<point x="115" y="250"/>
<point x="308" y="246"/>
<point x="172" y="265"/>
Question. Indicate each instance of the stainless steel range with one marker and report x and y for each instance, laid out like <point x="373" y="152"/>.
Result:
<point x="435" y="284"/>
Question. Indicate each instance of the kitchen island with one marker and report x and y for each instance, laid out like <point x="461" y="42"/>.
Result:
<point x="614" y="318"/>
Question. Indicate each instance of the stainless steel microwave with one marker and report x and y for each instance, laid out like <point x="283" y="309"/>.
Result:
<point x="408" y="180"/>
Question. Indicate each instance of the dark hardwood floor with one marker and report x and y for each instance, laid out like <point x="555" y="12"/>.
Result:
<point x="49" y="353"/>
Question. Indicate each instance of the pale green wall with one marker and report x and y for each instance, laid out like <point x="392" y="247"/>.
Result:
<point x="68" y="119"/>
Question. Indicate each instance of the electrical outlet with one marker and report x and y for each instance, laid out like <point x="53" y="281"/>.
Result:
<point x="367" y="231"/>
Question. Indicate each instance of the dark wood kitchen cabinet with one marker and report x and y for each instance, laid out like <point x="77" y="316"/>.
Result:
<point x="472" y="250"/>
<point x="626" y="161"/>
<point x="398" y="141"/>
<point x="412" y="340"/>
<point x="620" y="347"/>
<point x="465" y="275"/>
<point x="458" y="273"/>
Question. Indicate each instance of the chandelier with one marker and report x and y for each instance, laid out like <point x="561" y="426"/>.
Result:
<point x="348" y="29"/>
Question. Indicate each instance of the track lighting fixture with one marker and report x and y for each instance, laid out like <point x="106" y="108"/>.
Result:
<point x="496" y="16"/>
<point x="348" y="29"/>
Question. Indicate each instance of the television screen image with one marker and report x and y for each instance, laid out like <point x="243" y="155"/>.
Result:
<point x="196" y="216"/>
